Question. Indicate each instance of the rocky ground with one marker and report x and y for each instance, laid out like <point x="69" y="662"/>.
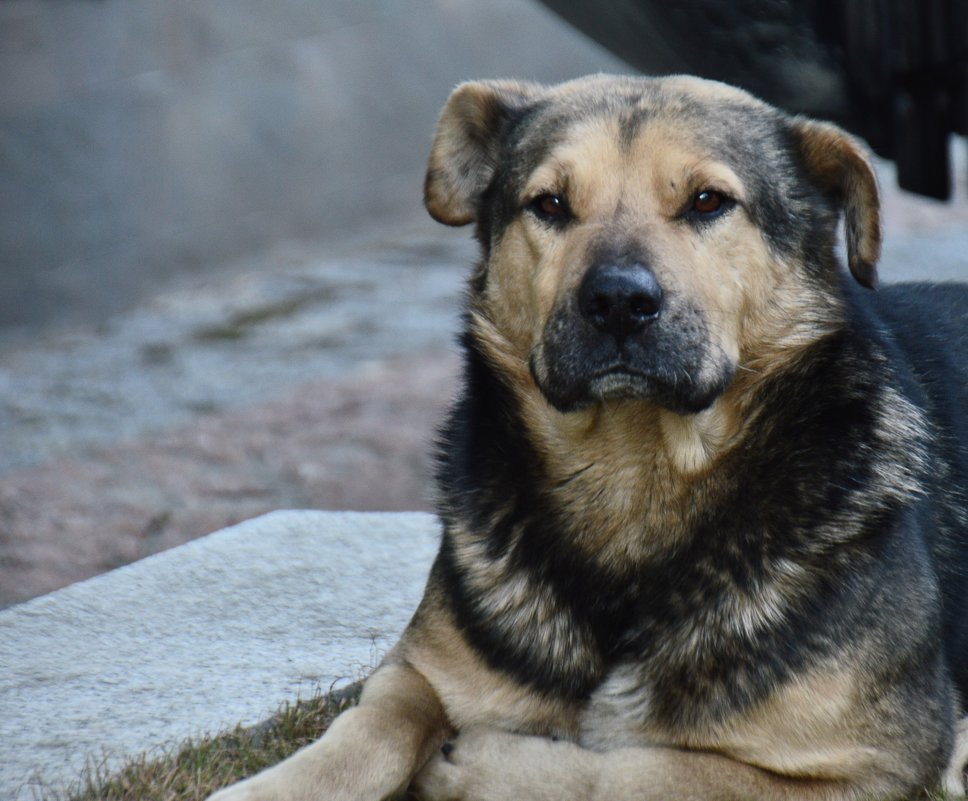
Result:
<point x="298" y="379"/>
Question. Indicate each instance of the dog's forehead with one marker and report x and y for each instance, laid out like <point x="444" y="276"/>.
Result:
<point x="718" y="119"/>
<point x="613" y="94"/>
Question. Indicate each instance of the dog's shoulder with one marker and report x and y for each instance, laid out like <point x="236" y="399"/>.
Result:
<point x="925" y="330"/>
<point x="929" y="324"/>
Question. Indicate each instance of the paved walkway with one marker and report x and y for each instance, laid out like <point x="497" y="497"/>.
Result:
<point x="315" y="383"/>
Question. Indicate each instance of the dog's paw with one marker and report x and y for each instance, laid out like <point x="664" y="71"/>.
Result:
<point x="491" y="765"/>
<point x="467" y="767"/>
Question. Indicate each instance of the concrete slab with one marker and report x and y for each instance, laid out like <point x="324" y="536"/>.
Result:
<point x="201" y="637"/>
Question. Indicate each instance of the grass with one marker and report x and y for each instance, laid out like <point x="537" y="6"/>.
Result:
<point x="196" y="768"/>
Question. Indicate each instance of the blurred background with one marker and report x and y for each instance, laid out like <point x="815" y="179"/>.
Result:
<point x="219" y="292"/>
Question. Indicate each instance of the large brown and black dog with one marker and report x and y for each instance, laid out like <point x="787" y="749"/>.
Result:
<point x="704" y="497"/>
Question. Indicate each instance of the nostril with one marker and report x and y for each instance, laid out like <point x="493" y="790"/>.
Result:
<point x="643" y="305"/>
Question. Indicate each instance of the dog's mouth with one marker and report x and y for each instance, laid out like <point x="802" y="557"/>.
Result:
<point x="680" y="393"/>
<point x="679" y="380"/>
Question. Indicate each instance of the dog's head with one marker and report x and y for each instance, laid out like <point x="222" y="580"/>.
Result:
<point x="646" y="238"/>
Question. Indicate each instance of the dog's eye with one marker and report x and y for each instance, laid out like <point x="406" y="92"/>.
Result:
<point x="708" y="202"/>
<point x="551" y="208"/>
<point x="707" y="205"/>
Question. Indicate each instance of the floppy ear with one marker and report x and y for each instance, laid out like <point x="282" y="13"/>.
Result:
<point x="465" y="148"/>
<point x="838" y="164"/>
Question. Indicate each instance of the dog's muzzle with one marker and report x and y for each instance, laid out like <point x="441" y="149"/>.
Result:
<point x="621" y="336"/>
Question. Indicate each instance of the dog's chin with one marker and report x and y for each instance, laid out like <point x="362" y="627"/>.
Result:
<point x="622" y="385"/>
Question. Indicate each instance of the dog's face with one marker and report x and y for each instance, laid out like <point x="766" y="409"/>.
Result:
<point x="645" y="239"/>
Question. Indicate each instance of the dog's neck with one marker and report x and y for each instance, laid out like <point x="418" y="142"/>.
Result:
<point x="643" y="464"/>
<point x="647" y="468"/>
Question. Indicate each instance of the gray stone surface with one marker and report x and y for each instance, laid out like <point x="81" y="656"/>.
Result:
<point x="201" y="637"/>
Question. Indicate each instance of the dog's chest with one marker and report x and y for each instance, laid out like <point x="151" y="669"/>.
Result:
<point x="673" y="645"/>
<point x="619" y="712"/>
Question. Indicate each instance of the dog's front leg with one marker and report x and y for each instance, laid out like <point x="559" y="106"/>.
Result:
<point x="490" y="765"/>
<point x="370" y="751"/>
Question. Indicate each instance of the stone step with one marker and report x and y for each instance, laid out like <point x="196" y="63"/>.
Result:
<point x="196" y="639"/>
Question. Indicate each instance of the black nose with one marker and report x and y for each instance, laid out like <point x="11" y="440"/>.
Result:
<point x="619" y="299"/>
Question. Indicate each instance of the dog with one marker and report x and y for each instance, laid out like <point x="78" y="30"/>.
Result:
<point x="705" y="493"/>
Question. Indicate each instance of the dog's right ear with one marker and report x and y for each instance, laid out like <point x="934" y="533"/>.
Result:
<point x="466" y="145"/>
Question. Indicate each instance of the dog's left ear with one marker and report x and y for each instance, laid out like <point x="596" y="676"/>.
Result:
<point x="466" y="145"/>
<point x="838" y="165"/>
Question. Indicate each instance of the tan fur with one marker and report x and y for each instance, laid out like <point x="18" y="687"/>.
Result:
<point x="455" y="171"/>
<point x="492" y="765"/>
<point x="810" y="728"/>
